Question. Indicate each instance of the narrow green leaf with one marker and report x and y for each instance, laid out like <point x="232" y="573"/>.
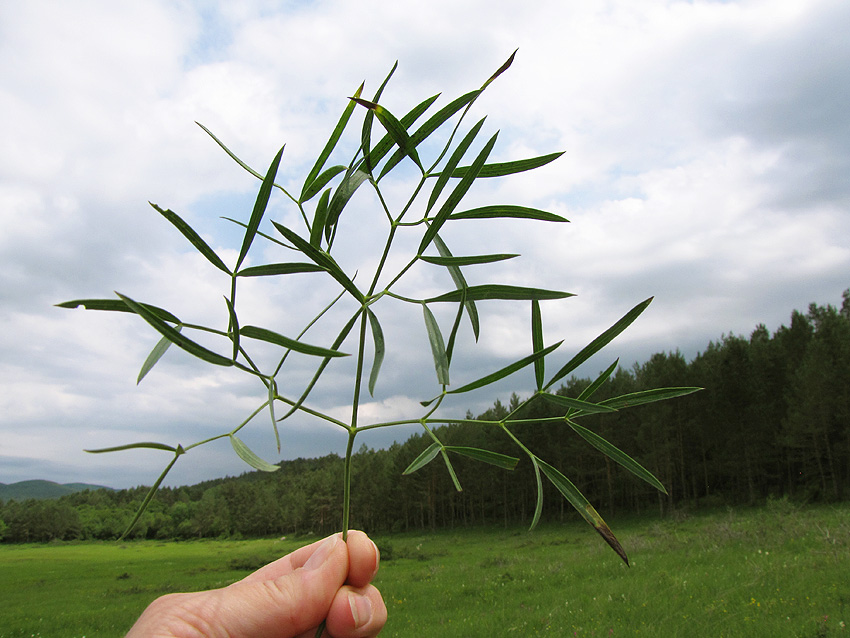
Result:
<point x="501" y="169"/>
<point x="278" y="269"/>
<point x="260" y="206"/>
<point x="537" y="342"/>
<point x="647" y="396"/>
<point x="617" y="455"/>
<point x="470" y="260"/>
<point x="151" y="493"/>
<point x="395" y="128"/>
<point x="597" y="383"/>
<point x="320" y="258"/>
<point x="538" y="508"/>
<point x="343" y="193"/>
<point x="575" y="404"/>
<point x="262" y="334"/>
<point x="427" y="455"/>
<point x="116" y="305"/>
<point x="309" y="183"/>
<point x="460" y="282"/>
<point x="433" y="123"/>
<point x="451" y="470"/>
<point x="366" y="132"/>
<point x="500" y="70"/>
<point x="583" y="507"/>
<point x="154" y="357"/>
<point x="233" y="328"/>
<point x="320" y="182"/>
<point x="499" y="291"/>
<point x="438" y="348"/>
<point x="320" y="219"/>
<point x="174" y="335"/>
<point x="457" y="195"/>
<point x="272" y="395"/>
<point x="386" y="143"/>
<point x="193" y="237"/>
<point x="508" y="212"/>
<point x="380" y="349"/>
<point x="246" y="454"/>
<point x="134" y="446"/>
<point x="493" y="458"/>
<point x="454" y="160"/>
<point x="504" y="372"/>
<point x="600" y="342"/>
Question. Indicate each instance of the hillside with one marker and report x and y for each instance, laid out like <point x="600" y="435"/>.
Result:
<point x="39" y="489"/>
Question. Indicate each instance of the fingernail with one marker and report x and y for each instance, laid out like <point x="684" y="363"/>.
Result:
<point x="361" y="609"/>
<point x="377" y="559"/>
<point x="322" y="552"/>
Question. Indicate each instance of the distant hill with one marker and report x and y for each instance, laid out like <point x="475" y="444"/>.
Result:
<point x="39" y="489"/>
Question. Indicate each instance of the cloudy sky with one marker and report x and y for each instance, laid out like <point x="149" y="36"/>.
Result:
<point x="707" y="151"/>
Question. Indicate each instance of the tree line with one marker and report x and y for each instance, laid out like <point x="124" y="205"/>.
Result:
<point x="773" y="420"/>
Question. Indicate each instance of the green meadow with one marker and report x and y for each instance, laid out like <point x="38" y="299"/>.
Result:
<point x="777" y="570"/>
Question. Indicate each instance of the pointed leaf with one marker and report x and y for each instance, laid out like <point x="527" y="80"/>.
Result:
<point x="583" y="507"/>
<point x="575" y="404"/>
<point x="134" y="446"/>
<point x="116" y="305"/>
<point x="320" y="182"/>
<point x="262" y="334"/>
<point x="493" y="458"/>
<point x="601" y="341"/>
<point x="454" y="160"/>
<point x="395" y="128"/>
<point x="647" y="396"/>
<point x="386" y="143"/>
<point x="151" y="493"/>
<point x="508" y="212"/>
<point x="380" y="348"/>
<point x="193" y="237"/>
<point x="233" y="328"/>
<point x="174" y="335"/>
<point x="538" y="508"/>
<point x="309" y="188"/>
<point x="500" y="70"/>
<point x="320" y="219"/>
<point x="272" y="393"/>
<point x="343" y="193"/>
<point x="457" y="194"/>
<point x="155" y="355"/>
<point x="427" y="455"/>
<point x="260" y="206"/>
<point x="320" y="258"/>
<point x="438" y="348"/>
<point x="615" y="454"/>
<point x="460" y="282"/>
<point x="597" y="383"/>
<point x="278" y="269"/>
<point x="504" y="372"/>
<point x="470" y="260"/>
<point x="366" y="132"/>
<point x="246" y="454"/>
<point x="451" y="470"/>
<point x="501" y="169"/>
<point x="537" y="342"/>
<point x="499" y="291"/>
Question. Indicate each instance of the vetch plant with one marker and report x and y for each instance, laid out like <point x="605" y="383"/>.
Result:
<point x="445" y="169"/>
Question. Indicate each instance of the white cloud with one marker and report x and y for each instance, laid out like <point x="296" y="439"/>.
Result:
<point x="706" y="156"/>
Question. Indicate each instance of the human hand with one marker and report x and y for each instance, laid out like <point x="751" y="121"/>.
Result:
<point x="289" y="598"/>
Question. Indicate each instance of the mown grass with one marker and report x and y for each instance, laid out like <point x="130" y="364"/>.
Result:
<point x="772" y="571"/>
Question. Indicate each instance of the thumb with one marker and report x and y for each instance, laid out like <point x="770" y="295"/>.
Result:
<point x="282" y="600"/>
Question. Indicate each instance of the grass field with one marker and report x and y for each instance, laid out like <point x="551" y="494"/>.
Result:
<point x="773" y="571"/>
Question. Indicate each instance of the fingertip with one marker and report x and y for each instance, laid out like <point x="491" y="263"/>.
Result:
<point x="364" y="559"/>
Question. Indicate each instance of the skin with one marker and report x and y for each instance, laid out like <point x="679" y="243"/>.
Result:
<point x="328" y="580"/>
